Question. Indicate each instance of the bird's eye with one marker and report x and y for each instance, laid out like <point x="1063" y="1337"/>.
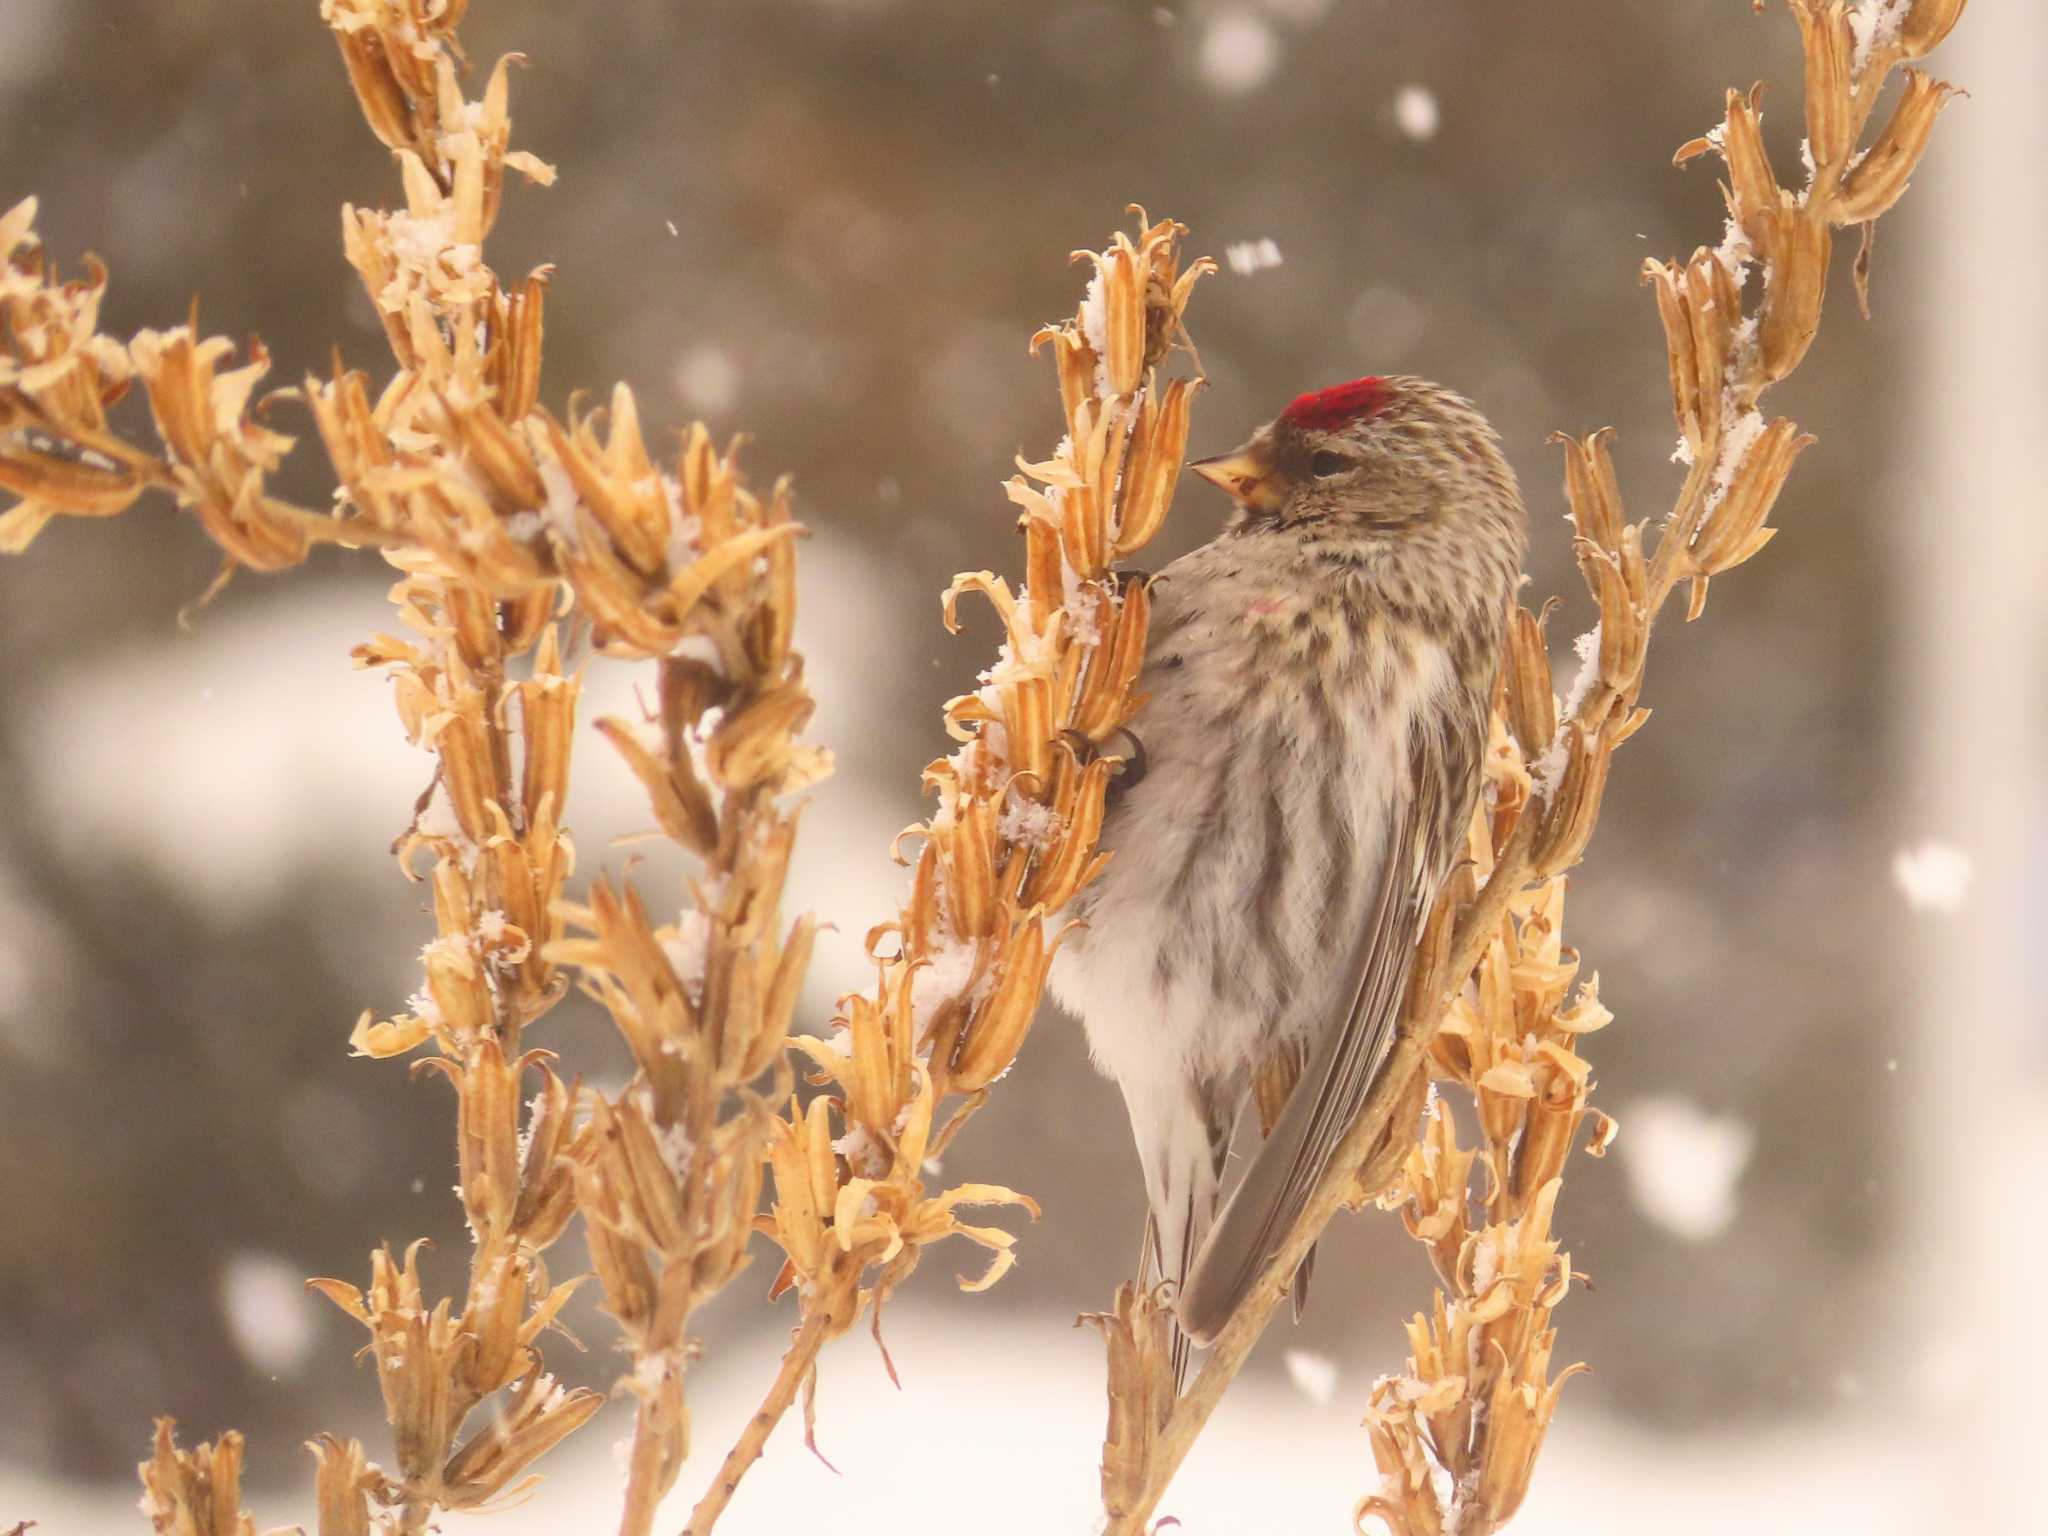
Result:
<point x="1326" y="464"/>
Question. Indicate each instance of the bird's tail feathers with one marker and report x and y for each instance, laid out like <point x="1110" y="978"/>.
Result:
<point x="1182" y="1155"/>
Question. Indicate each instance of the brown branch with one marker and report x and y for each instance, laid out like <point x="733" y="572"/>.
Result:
<point x="797" y="1364"/>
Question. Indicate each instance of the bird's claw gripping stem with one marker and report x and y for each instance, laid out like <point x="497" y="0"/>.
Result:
<point x="1128" y="769"/>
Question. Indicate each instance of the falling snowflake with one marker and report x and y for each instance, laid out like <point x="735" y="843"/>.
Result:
<point x="1249" y="256"/>
<point x="1314" y="1375"/>
<point x="1683" y="1164"/>
<point x="707" y="378"/>
<point x="1933" y="876"/>
<point x="1239" y="52"/>
<point x="1415" y="113"/>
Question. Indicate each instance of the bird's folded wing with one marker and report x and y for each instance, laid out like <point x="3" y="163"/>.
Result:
<point x="1341" y="1070"/>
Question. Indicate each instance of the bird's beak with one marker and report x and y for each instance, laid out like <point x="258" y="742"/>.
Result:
<point x="1247" y="474"/>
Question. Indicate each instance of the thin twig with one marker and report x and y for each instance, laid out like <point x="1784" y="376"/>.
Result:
<point x="797" y="1365"/>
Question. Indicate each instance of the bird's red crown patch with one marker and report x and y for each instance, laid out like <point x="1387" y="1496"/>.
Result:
<point x="1333" y="407"/>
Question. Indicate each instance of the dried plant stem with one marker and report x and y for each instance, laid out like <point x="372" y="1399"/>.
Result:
<point x="800" y="1360"/>
<point x="962" y="966"/>
<point x="503" y="520"/>
<point x="1483" y="1010"/>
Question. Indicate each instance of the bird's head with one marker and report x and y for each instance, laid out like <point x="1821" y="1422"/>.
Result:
<point x="1381" y="458"/>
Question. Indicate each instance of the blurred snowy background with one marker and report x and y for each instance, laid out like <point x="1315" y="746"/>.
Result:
<point x="1815" y="902"/>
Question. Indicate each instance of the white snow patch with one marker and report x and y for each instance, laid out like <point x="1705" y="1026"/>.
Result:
<point x="940" y="981"/>
<point x="1415" y="113"/>
<point x="687" y="949"/>
<point x="1094" y="320"/>
<point x="700" y="648"/>
<point x="1683" y="1164"/>
<point x="269" y="1315"/>
<point x="1736" y="251"/>
<point x="1026" y="822"/>
<point x="1548" y="770"/>
<point x="1485" y="1267"/>
<point x="1875" y="24"/>
<point x="439" y="818"/>
<point x="1314" y="1375"/>
<point x="685" y="529"/>
<point x="1736" y="440"/>
<point x="863" y="1150"/>
<point x="534" y="1106"/>
<point x="563" y="502"/>
<point x="416" y="239"/>
<point x="1587" y="649"/>
<point x="1932" y="875"/>
<point x="675" y="1147"/>
<point x="1077" y="598"/>
<point x="1249" y="256"/>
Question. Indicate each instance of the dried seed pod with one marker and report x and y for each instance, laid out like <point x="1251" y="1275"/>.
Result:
<point x="681" y="803"/>
<point x="1157" y="449"/>
<point x="385" y="102"/>
<point x="198" y="1491"/>
<point x="62" y="474"/>
<point x="995" y="1035"/>
<point x="1108" y="697"/>
<point x="516" y="346"/>
<point x="1830" y="109"/>
<point x="1925" y="24"/>
<point x="1753" y="186"/>
<point x="1733" y="530"/>
<point x="1532" y="707"/>
<point x="1138" y="1337"/>
<point x="344" y="1481"/>
<point x="1568" y="820"/>
<point x="1073" y="862"/>
<point x="1668" y="283"/>
<point x="1591" y="488"/>
<point x="1123" y="306"/>
<point x="753" y="747"/>
<point x="1880" y="178"/>
<point x="1798" y="246"/>
<point x="1713" y="311"/>
<point x="785" y="987"/>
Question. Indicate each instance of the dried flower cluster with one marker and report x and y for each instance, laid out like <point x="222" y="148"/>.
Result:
<point x="1478" y="1394"/>
<point x="1455" y="1436"/>
<point x="669" y="1172"/>
<point x="507" y="507"/>
<point x="501" y="519"/>
<point x="58" y="376"/>
<point x="961" y="969"/>
<point x="194" y="1493"/>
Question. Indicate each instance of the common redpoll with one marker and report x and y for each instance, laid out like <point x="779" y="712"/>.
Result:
<point x="1319" y="677"/>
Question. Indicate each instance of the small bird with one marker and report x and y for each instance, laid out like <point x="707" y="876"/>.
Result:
<point x="1318" y="680"/>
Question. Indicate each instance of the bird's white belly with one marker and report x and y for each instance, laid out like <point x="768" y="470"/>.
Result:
<point x="1175" y="977"/>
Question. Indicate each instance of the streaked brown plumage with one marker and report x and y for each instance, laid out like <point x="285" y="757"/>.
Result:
<point x="1319" y="678"/>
